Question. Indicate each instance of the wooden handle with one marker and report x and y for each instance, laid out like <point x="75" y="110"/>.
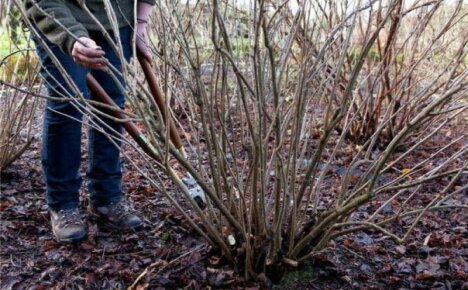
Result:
<point x="101" y="96"/>
<point x="159" y="99"/>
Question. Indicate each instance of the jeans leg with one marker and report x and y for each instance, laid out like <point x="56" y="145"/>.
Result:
<point x="61" y="136"/>
<point x="104" y="172"/>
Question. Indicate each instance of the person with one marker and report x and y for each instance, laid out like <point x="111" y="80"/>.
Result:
<point x="79" y="45"/>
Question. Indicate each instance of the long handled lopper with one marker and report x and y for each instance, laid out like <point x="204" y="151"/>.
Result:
<point x="100" y="94"/>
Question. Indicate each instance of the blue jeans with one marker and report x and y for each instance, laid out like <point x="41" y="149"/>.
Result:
<point x="61" y="137"/>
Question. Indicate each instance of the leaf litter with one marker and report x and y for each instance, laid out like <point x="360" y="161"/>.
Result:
<point x="168" y="254"/>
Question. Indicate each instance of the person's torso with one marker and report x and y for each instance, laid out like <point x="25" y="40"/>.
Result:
<point x="123" y="10"/>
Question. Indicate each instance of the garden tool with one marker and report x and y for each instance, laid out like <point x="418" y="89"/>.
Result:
<point x="194" y="189"/>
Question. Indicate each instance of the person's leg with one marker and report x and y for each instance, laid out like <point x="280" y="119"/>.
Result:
<point x="61" y="136"/>
<point x="104" y="171"/>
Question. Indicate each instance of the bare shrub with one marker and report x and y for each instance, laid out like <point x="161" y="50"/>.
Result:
<point x="266" y="97"/>
<point x="19" y="69"/>
<point x="418" y="45"/>
<point x="16" y="112"/>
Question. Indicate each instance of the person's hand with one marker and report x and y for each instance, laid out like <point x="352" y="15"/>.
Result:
<point x="87" y="53"/>
<point x="142" y="41"/>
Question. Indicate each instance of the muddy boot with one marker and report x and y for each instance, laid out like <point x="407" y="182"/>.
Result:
<point x="116" y="216"/>
<point x="67" y="225"/>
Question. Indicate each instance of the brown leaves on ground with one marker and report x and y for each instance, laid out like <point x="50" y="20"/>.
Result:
<point x="174" y="256"/>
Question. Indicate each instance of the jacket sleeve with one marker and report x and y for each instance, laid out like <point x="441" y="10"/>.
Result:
<point x="152" y="2"/>
<point x="52" y="30"/>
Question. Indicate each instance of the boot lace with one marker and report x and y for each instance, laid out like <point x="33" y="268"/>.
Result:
<point x="70" y="217"/>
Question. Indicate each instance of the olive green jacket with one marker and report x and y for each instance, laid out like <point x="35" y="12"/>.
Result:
<point x="75" y="19"/>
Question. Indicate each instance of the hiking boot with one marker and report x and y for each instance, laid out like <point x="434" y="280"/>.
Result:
<point x="117" y="216"/>
<point x="67" y="225"/>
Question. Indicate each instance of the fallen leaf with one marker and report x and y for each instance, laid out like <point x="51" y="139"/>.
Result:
<point x="405" y="171"/>
<point x="364" y="239"/>
<point x="424" y="276"/>
<point x="400" y="249"/>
